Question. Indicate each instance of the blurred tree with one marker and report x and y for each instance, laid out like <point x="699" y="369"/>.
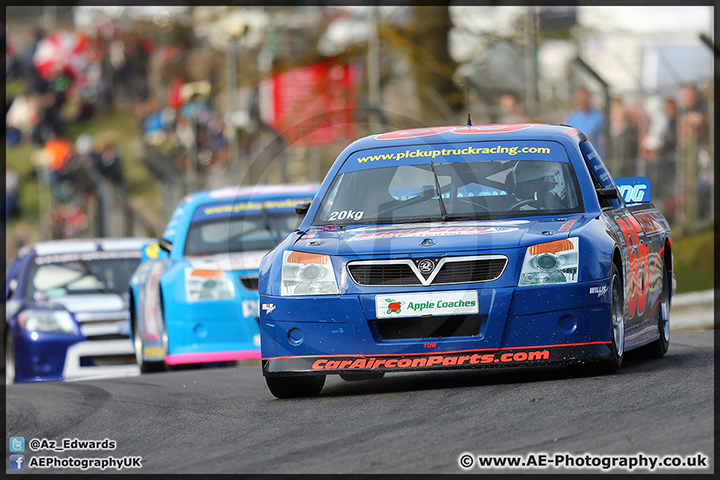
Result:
<point x="428" y="30"/>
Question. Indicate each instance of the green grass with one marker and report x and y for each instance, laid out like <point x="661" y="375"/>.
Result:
<point x="694" y="258"/>
<point x="15" y="87"/>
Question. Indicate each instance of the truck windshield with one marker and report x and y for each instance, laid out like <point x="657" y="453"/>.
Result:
<point x="239" y="234"/>
<point x="81" y="276"/>
<point x="470" y="191"/>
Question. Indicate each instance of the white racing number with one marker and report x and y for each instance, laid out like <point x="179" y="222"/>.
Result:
<point x="343" y="214"/>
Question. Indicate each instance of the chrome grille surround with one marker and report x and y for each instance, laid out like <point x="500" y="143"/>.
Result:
<point x="401" y="265"/>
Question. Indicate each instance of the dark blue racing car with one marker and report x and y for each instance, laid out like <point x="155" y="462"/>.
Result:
<point x="465" y="247"/>
<point x="67" y="311"/>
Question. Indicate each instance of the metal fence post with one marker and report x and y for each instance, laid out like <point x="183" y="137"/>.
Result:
<point x="690" y="158"/>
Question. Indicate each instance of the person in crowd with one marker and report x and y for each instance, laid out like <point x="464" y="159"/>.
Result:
<point x="670" y="144"/>
<point x="622" y="154"/>
<point x="20" y="118"/>
<point x="175" y="100"/>
<point x="693" y="136"/>
<point x="108" y="161"/>
<point x="654" y="138"/>
<point x="12" y="193"/>
<point x="11" y="62"/>
<point x="587" y="118"/>
<point x="658" y="165"/>
<point x="68" y="221"/>
<point x="668" y="160"/>
<point x="694" y="116"/>
<point x="35" y="82"/>
<point x="50" y="121"/>
<point x="84" y="149"/>
<point x="58" y="153"/>
<point x="510" y="109"/>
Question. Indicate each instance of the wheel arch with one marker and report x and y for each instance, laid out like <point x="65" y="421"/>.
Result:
<point x="133" y="312"/>
<point x="617" y="261"/>
<point x="669" y="266"/>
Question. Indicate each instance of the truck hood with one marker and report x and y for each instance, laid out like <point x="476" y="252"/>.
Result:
<point x="228" y="261"/>
<point x="103" y="302"/>
<point x="437" y="238"/>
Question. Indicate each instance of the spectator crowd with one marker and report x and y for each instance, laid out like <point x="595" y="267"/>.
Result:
<point x="656" y="138"/>
<point x="179" y="125"/>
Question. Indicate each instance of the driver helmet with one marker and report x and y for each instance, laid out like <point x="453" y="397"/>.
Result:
<point x="532" y="178"/>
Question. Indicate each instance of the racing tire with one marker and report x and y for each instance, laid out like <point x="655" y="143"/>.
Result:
<point x="354" y="377"/>
<point x="659" y="347"/>
<point x="9" y="360"/>
<point x="293" y="387"/>
<point x="143" y="365"/>
<point x="617" y="327"/>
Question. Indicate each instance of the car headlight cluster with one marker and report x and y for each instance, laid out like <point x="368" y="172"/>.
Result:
<point x="202" y="285"/>
<point x="551" y="263"/>
<point x="58" y="321"/>
<point x="307" y="274"/>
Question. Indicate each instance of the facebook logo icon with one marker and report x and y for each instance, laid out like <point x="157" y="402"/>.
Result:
<point x="17" y="444"/>
<point x="17" y="462"/>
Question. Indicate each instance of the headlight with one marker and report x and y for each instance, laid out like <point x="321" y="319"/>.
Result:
<point x="46" y="321"/>
<point x="307" y="274"/>
<point x="201" y="285"/>
<point x="551" y="263"/>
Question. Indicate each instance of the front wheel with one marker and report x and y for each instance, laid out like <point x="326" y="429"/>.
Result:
<point x="9" y="360"/>
<point x="145" y="366"/>
<point x="617" y="324"/>
<point x="292" y="387"/>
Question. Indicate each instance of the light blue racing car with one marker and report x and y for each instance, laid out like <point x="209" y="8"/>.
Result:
<point x="194" y="296"/>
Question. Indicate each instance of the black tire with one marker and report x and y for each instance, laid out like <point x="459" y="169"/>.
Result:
<point x="292" y="387"/>
<point x="145" y="366"/>
<point x="659" y="347"/>
<point x="353" y="377"/>
<point x="617" y="326"/>
<point x="9" y="359"/>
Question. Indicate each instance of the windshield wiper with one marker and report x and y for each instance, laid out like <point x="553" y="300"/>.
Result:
<point x="89" y="271"/>
<point x="268" y="227"/>
<point x="443" y="212"/>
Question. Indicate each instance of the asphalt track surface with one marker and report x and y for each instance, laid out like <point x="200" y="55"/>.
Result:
<point x="224" y="420"/>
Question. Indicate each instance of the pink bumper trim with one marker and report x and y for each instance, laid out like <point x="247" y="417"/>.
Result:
<point x="206" y="357"/>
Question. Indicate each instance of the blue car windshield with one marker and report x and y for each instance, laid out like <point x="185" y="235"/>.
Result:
<point x="470" y="191"/>
<point x="80" y="276"/>
<point x="239" y="234"/>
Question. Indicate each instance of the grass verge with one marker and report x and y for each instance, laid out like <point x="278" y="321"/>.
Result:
<point x="694" y="258"/>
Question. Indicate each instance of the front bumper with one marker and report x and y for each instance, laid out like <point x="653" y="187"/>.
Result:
<point x="213" y="356"/>
<point x="112" y="352"/>
<point x="213" y="331"/>
<point x="517" y="326"/>
<point x="41" y="356"/>
<point x="516" y="357"/>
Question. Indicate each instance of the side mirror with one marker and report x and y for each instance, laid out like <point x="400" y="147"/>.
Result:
<point x="609" y="193"/>
<point x="154" y="251"/>
<point x="302" y="208"/>
<point x="165" y="245"/>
